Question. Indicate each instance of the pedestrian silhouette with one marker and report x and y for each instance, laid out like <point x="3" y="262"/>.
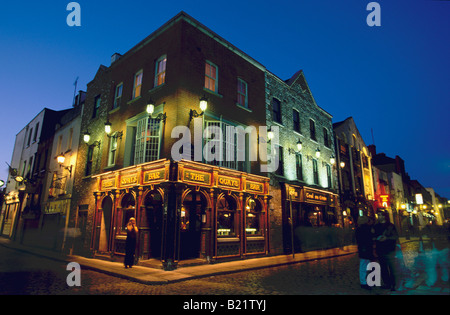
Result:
<point x="130" y="244"/>
<point x="364" y="240"/>
<point x="386" y="238"/>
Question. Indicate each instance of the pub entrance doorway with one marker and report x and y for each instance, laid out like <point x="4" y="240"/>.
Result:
<point x="192" y="211"/>
<point x="152" y="225"/>
<point x="105" y="227"/>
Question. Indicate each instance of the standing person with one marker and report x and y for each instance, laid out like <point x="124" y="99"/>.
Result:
<point x="130" y="245"/>
<point x="364" y="239"/>
<point x="386" y="238"/>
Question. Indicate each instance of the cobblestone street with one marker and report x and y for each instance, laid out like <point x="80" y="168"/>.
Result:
<point x="23" y="273"/>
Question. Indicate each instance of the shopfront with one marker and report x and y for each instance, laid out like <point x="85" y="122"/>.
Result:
<point x="184" y="210"/>
<point x="310" y="219"/>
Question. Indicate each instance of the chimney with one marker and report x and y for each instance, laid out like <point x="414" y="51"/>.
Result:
<point x="372" y="149"/>
<point x="115" y="57"/>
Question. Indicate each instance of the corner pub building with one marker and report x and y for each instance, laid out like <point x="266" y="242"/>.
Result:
<point x="182" y="74"/>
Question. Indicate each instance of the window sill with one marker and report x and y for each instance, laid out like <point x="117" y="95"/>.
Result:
<point x="278" y="123"/>
<point x="110" y="167"/>
<point x="157" y="87"/>
<point x="114" y="110"/>
<point x="244" y="108"/>
<point x="212" y="92"/>
<point x="134" y="100"/>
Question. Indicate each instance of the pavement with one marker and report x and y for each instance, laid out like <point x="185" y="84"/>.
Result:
<point x="147" y="274"/>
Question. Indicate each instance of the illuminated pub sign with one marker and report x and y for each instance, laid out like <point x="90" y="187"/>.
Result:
<point x="316" y="197"/>
<point x="190" y="173"/>
<point x="384" y="201"/>
<point x="136" y="177"/>
<point x="196" y="177"/>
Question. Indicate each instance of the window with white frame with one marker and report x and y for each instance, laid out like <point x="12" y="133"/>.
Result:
<point x="137" y="84"/>
<point x="147" y="142"/>
<point x="242" y="96"/>
<point x="112" y="150"/>
<point x="211" y="76"/>
<point x="222" y="149"/>
<point x="160" y="71"/>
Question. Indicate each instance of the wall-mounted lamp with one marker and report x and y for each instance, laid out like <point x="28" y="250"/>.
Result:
<point x="108" y="129"/>
<point x="60" y="159"/>
<point x="270" y="134"/>
<point x="317" y="153"/>
<point x="299" y="148"/>
<point x="342" y="164"/>
<point x="203" y="106"/>
<point x="332" y="160"/>
<point x="87" y="139"/>
<point x="151" y="109"/>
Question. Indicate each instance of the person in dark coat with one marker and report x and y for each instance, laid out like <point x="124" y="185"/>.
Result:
<point x="130" y="244"/>
<point x="386" y="238"/>
<point x="364" y="240"/>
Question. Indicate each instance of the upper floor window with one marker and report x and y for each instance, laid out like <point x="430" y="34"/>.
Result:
<point x="296" y="120"/>
<point x="221" y="146"/>
<point x="211" y="76"/>
<point x="112" y="150"/>
<point x="312" y="129"/>
<point x="299" y="168"/>
<point x="147" y="142"/>
<point x="29" y="137"/>
<point x="280" y="169"/>
<point x="137" y="85"/>
<point x="315" y="172"/>
<point x="276" y="110"/>
<point x="118" y="95"/>
<point x="96" y="106"/>
<point x="329" y="182"/>
<point x="326" y="140"/>
<point x="70" y="140"/>
<point x="160" y="72"/>
<point x="36" y="132"/>
<point x="242" y="96"/>
<point x="89" y="161"/>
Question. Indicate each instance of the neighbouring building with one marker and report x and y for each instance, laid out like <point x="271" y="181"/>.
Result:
<point x="27" y="178"/>
<point x="57" y="193"/>
<point x="304" y="207"/>
<point x="354" y="165"/>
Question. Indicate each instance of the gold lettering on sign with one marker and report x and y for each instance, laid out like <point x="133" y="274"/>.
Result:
<point x="197" y="177"/>
<point x="229" y="182"/>
<point x="128" y="180"/>
<point x="254" y="186"/>
<point x="154" y="175"/>
<point x="108" y="183"/>
<point x="316" y="197"/>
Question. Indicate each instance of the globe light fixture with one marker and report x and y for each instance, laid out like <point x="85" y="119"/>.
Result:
<point x="203" y="106"/>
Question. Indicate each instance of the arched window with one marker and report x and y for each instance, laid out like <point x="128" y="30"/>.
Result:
<point x="253" y="217"/>
<point x="128" y="206"/>
<point x="226" y="217"/>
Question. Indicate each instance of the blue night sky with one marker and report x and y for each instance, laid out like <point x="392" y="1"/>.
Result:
<point x="393" y="79"/>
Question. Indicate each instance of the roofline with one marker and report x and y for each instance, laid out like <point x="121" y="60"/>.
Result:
<point x="187" y="18"/>
<point x="310" y="93"/>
